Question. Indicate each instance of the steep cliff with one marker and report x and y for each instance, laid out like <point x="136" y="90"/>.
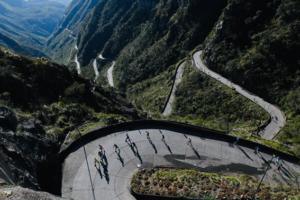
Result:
<point x="146" y="37"/>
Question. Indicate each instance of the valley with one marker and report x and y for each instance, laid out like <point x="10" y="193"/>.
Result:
<point x="195" y="84"/>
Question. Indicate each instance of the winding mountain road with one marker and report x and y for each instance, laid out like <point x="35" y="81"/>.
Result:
<point x="78" y="65"/>
<point x="95" y="69"/>
<point x="179" y="74"/>
<point x="110" y="70"/>
<point x="277" y="116"/>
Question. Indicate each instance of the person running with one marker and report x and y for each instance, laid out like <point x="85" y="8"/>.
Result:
<point x="100" y="155"/>
<point x="256" y="150"/>
<point x="277" y="161"/>
<point x="102" y="162"/>
<point x="96" y="161"/>
<point x="237" y="139"/>
<point x="278" y="169"/>
<point x="101" y="147"/>
<point x="189" y="142"/>
<point x="127" y="138"/>
<point x="148" y="137"/>
<point x="163" y="138"/>
<point x="116" y="148"/>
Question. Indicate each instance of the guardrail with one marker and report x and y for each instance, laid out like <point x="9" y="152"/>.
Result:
<point x="199" y="131"/>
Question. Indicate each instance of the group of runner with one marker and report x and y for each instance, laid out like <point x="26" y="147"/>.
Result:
<point x="101" y="153"/>
<point x="256" y="150"/>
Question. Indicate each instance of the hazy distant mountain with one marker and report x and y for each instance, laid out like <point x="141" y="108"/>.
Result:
<point x="29" y="22"/>
<point x="65" y="2"/>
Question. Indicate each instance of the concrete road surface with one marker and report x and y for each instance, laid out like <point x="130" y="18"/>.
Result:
<point x="83" y="180"/>
<point x="277" y="116"/>
<point x="95" y="69"/>
<point x="109" y="71"/>
<point x="78" y="65"/>
<point x="178" y="79"/>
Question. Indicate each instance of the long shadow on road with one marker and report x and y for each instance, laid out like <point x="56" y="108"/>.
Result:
<point x="150" y="141"/>
<point x="168" y="147"/>
<point x="244" y="152"/>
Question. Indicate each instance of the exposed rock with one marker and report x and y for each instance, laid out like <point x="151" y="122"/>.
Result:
<point x="8" y="118"/>
<point x="27" y="194"/>
<point x="2" y="182"/>
<point x="33" y="127"/>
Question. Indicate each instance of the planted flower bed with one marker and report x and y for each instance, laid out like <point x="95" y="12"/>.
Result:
<point x="194" y="184"/>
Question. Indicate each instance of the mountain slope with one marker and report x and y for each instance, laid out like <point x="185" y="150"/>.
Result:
<point x="29" y="23"/>
<point x="259" y="49"/>
<point x="145" y="36"/>
<point x="41" y="104"/>
<point x="76" y="13"/>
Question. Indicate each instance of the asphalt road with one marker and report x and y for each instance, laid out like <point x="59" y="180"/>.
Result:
<point x="277" y="116"/>
<point x="178" y="79"/>
<point x="83" y="180"/>
<point x="78" y="65"/>
<point x="110" y="70"/>
<point x="95" y="69"/>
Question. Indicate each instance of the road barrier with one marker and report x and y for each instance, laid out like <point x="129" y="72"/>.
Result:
<point x="180" y="127"/>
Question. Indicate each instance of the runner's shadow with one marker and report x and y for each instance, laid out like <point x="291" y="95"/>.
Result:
<point x="106" y="175"/>
<point x="132" y="149"/>
<point x="268" y="163"/>
<point x="244" y="152"/>
<point x="105" y="158"/>
<point x="99" y="171"/>
<point x="139" y="157"/>
<point x="153" y="146"/>
<point x="120" y="159"/>
<point x="196" y="152"/>
<point x="168" y="147"/>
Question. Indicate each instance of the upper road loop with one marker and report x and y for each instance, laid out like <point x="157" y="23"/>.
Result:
<point x="277" y="116"/>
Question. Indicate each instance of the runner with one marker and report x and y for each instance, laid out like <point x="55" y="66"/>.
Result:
<point x="102" y="162"/>
<point x="256" y="150"/>
<point x="277" y="161"/>
<point x="101" y="147"/>
<point x="96" y="161"/>
<point x="148" y="137"/>
<point x="278" y="169"/>
<point x="163" y="138"/>
<point x="116" y="147"/>
<point x="237" y="139"/>
<point x="127" y="138"/>
<point x="100" y="155"/>
<point x="189" y="142"/>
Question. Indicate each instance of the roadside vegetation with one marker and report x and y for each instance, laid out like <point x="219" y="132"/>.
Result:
<point x="188" y="183"/>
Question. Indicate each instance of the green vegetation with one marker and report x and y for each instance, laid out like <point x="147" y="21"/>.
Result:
<point x="151" y="95"/>
<point x="189" y="183"/>
<point x="258" y="49"/>
<point x="60" y="44"/>
<point x="203" y="101"/>
<point x="61" y="103"/>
